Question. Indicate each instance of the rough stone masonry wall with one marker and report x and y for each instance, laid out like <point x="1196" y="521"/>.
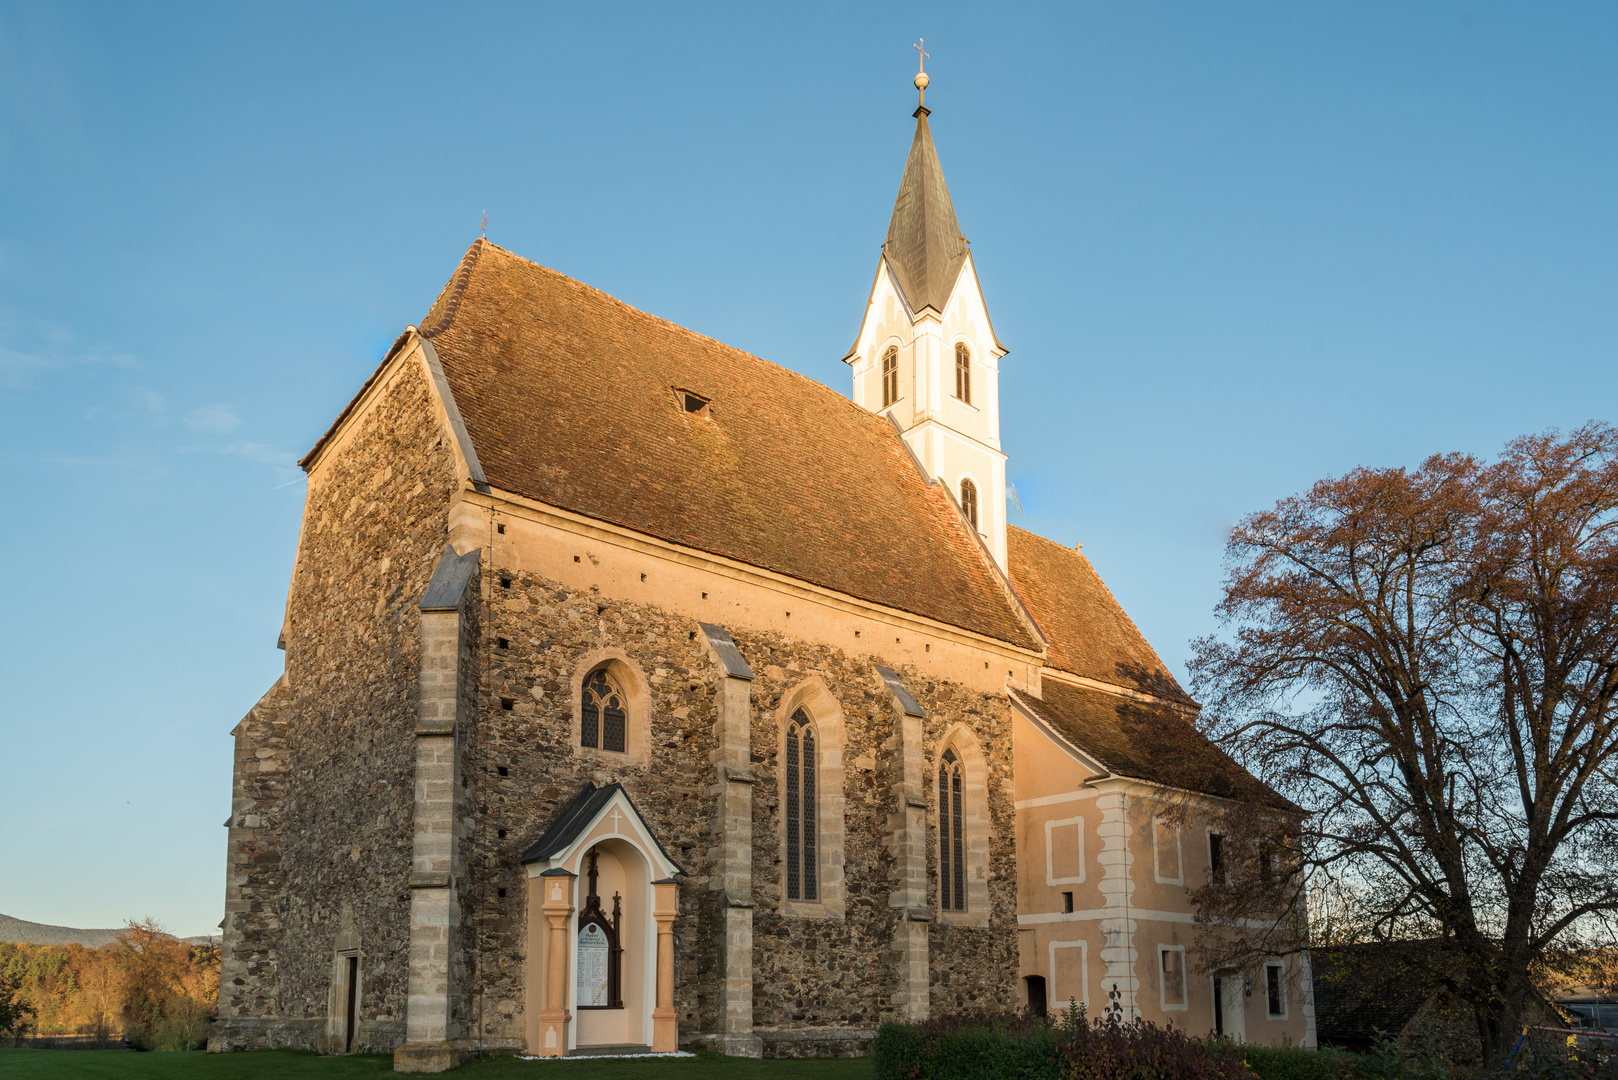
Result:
<point x="372" y="532"/>
<point x="808" y="973"/>
<point x="253" y="872"/>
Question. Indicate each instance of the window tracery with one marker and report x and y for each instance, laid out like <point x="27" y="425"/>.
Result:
<point x="802" y="813"/>
<point x="951" y="835"/>
<point x="603" y="720"/>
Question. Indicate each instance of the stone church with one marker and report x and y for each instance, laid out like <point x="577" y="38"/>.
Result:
<point x="640" y="693"/>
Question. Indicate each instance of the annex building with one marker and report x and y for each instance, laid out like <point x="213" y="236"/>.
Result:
<point x="642" y="693"/>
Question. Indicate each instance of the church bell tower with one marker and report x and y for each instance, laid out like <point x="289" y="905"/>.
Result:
<point x="926" y="354"/>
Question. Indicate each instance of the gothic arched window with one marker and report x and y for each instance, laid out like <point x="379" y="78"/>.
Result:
<point x="602" y="719"/>
<point x="969" y="501"/>
<point x="963" y="372"/>
<point x="802" y="811"/>
<point x="951" y="836"/>
<point x="890" y="376"/>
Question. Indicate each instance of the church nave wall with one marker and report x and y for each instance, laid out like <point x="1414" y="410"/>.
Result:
<point x="826" y="963"/>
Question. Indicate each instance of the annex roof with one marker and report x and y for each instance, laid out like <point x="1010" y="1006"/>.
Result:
<point x="576" y="818"/>
<point x="568" y="396"/>
<point x="1088" y="631"/>
<point x="1144" y="741"/>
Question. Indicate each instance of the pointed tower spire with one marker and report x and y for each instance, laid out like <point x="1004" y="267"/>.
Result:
<point x="926" y="356"/>
<point x="924" y="246"/>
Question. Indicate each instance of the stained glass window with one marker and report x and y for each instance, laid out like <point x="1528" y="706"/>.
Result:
<point x="802" y="870"/>
<point x="602" y="719"/>
<point x="951" y="836"/>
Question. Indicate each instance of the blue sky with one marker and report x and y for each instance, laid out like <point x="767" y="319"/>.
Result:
<point x="1232" y="248"/>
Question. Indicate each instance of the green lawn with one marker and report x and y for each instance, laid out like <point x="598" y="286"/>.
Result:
<point x="276" y="1064"/>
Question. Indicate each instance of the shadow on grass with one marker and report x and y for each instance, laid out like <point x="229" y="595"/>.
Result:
<point x="292" y="1065"/>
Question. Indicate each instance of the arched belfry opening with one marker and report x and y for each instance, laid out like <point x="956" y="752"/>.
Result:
<point x="602" y="900"/>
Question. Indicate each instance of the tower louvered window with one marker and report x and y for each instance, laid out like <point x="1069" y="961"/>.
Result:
<point x="802" y="876"/>
<point x="890" y="376"/>
<point x="602" y="719"/>
<point x="969" y="501"/>
<point x="951" y="836"/>
<point x="963" y="373"/>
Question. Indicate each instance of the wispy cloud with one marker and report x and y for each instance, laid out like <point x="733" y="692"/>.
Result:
<point x="213" y="420"/>
<point x="19" y="367"/>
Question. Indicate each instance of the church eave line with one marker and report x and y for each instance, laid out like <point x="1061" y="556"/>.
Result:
<point x="646" y="543"/>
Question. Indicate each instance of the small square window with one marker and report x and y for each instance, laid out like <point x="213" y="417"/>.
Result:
<point x="501" y="769"/>
<point x="505" y="583"/>
<point x="501" y="529"/>
<point x="502" y="834"/>
<point x="502" y="643"/>
<point x="502" y="894"/>
<point x="508" y="703"/>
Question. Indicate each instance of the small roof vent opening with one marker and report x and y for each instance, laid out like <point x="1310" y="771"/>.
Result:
<point x="695" y="404"/>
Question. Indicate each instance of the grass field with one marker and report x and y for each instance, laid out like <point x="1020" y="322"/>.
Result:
<point x="279" y="1064"/>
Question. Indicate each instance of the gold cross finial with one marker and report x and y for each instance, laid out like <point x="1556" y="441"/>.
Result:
<point x="921" y="72"/>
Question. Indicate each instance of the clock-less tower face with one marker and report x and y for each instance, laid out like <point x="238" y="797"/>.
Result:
<point x="926" y="354"/>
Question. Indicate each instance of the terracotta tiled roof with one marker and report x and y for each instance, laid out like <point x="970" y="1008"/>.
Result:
<point x="1153" y="742"/>
<point x="1089" y="633"/>
<point x="569" y="398"/>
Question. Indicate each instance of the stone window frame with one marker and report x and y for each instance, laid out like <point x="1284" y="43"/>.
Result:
<point x="978" y="825"/>
<point x="637" y="694"/>
<point x="1083" y="997"/>
<point x="1051" y="826"/>
<point x="1161" y="824"/>
<point x="826" y="714"/>
<point x="1162" y="984"/>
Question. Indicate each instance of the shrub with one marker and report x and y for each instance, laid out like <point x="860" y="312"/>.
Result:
<point x="1288" y="1062"/>
<point x="1139" y="1050"/>
<point x="1022" y="1047"/>
<point x="994" y="1046"/>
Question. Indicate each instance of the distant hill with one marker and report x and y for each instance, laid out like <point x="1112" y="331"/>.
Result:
<point x="33" y="933"/>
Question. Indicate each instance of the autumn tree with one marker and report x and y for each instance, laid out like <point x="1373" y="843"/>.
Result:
<point x="1426" y="662"/>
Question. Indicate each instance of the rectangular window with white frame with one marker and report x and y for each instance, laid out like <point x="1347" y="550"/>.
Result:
<point x="1275" y="988"/>
<point x="1171" y="977"/>
<point x="1070" y="974"/>
<point x="1064" y="852"/>
<point x="1166" y="842"/>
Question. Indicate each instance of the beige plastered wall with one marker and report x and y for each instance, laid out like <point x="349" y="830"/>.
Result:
<point x="1069" y="842"/>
